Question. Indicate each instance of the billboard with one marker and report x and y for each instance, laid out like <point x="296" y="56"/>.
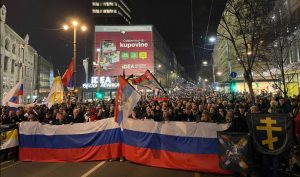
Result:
<point x="121" y="48"/>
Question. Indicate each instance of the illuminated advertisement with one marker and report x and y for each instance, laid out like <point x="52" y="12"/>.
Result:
<point x="105" y="82"/>
<point x="119" y="48"/>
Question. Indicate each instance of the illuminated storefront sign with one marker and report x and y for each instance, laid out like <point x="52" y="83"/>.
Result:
<point x="105" y="82"/>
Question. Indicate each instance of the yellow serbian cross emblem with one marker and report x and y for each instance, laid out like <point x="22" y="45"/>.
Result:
<point x="269" y="129"/>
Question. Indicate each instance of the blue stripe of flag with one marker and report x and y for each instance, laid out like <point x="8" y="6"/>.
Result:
<point x="193" y="145"/>
<point x="71" y="141"/>
<point x="13" y="99"/>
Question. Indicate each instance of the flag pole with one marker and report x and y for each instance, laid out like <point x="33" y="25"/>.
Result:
<point x="158" y="83"/>
<point x="64" y="94"/>
<point x="58" y="72"/>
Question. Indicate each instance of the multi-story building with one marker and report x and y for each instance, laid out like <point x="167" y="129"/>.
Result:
<point x="131" y="50"/>
<point x="165" y="61"/>
<point x="226" y="61"/>
<point x="111" y="12"/>
<point x="44" y="76"/>
<point x="18" y="61"/>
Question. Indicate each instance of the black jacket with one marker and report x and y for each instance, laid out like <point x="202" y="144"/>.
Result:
<point x="78" y="119"/>
<point x="158" y="116"/>
<point x="238" y="124"/>
<point x="189" y="117"/>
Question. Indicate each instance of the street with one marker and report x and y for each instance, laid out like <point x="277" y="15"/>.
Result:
<point x="91" y="169"/>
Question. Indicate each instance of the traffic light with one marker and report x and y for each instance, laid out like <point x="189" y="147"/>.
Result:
<point x="232" y="86"/>
<point x="100" y="94"/>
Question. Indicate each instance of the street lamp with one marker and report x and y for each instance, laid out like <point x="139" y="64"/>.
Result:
<point x="204" y="62"/>
<point x="74" y="25"/>
<point x="66" y="27"/>
<point x="212" y="39"/>
<point x="205" y="80"/>
<point x="219" y="73"/>
<point x="159" y="66"/>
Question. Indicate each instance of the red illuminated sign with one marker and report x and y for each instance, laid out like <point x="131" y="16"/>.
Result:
<point x="130" y="50"/>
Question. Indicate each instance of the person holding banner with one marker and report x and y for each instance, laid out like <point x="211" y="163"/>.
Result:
<point x="271" y="163"/>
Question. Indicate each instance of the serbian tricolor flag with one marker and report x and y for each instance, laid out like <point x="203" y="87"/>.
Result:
<point x="147" y="80"/>
<point x="68" y="74"/>
<point x="126" y="99"/>
<point x="70" y="85"/>
<point x="13" y="95"/>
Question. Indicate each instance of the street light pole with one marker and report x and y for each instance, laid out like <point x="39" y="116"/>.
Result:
<point x="74" y="56"/>
<point x="83" y="28"/>
<point x="213" y="70"/>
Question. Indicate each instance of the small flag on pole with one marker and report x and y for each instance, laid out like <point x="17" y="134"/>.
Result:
<point x="56" y="94"/>
<point x="68" y="74"/>
<point x="13" y="95"/>
<point x="126" y="99"/>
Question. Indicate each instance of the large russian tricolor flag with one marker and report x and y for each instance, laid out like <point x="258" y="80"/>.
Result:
<point x="89" y="141"/>
<point x="179" y="145"/>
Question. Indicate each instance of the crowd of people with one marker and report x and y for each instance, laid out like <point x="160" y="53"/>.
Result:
<point x="191" y="106"/>
<point x="213" y="107"/>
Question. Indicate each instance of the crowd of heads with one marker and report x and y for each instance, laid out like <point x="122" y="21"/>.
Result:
<point x="65" y="113"/>
<point x="189" y="106"/>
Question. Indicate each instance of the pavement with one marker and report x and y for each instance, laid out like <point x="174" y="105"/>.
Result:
<point x="92" y="169"/>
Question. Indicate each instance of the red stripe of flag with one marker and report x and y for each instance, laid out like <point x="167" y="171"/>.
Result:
<point x="68" y="74"/>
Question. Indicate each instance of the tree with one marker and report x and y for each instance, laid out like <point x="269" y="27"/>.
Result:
<point x="240" y="24"/>
<point x="277" y="51"/>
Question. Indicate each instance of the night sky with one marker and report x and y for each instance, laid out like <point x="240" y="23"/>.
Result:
<point x="41" y="19"/>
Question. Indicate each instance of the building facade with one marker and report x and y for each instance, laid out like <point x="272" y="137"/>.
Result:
<point x="166" y="67"/>
<point x="130" y="49"/>
<point x="226" y="61"/>
<point x="111" y="12"/>
<point x="44" y="76"/>
<point x="18" y="61"/>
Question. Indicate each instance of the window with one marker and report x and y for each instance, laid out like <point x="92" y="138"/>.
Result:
<point x="7" y="44"/>
<point x="5" y="63"/>
<point x="96" y="11"/>
<point x="14" y="49"/>
<point x="108" y="4"/>
<point x="95" y="3"/>
<point x="12" y="69"/>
